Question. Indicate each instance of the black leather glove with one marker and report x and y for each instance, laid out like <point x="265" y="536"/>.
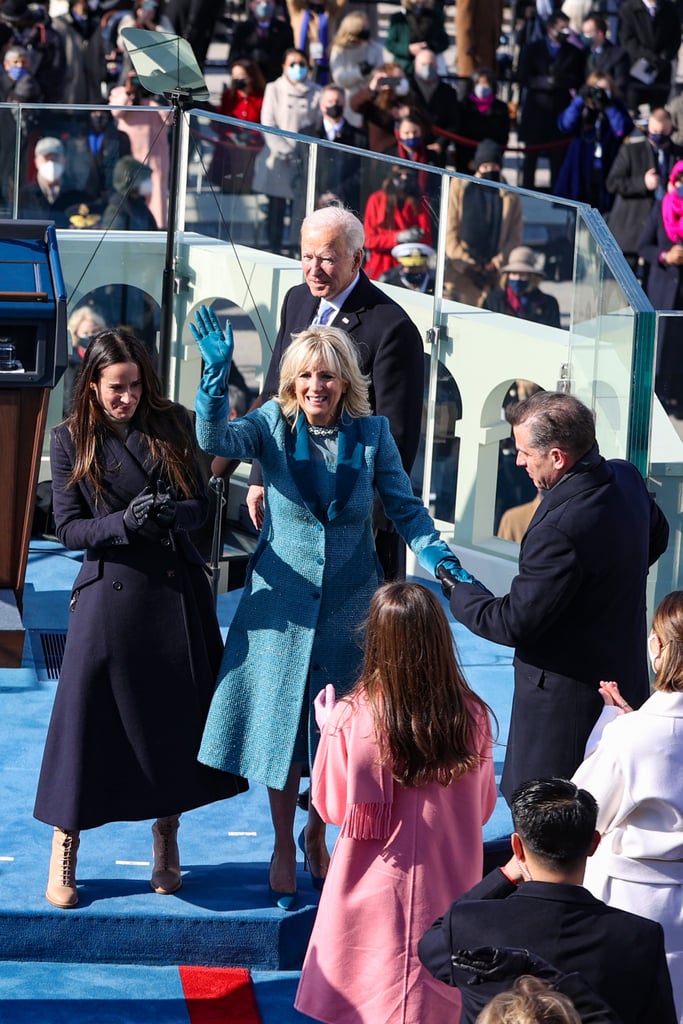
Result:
<point x="135" y="516"/>
<point x="165" y="506"/>
<point x="448" y="581"/>
<point x="365" y="68"/>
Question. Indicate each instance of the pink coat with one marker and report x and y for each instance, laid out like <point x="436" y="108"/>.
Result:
<point x="381" y="895"/>
<point x="147" y="130"/>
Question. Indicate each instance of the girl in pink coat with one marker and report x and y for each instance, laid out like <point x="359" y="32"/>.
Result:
<point x="405" y="766"/>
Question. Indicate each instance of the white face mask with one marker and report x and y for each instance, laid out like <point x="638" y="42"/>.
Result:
<point x="145" y="187"/>
<point x="653" y="655"/>
<point x="51" y="170"/>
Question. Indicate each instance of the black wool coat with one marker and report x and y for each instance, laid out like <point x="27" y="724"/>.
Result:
<point x="142" y="654"/>
<point x="575" y="614"/>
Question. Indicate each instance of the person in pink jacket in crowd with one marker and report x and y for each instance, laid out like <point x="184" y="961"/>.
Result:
<point x="405" y="766"/>
<point x="147" y="128"/>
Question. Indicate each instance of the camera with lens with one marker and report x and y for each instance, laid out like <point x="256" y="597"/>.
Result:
<point x="598" y="97"/>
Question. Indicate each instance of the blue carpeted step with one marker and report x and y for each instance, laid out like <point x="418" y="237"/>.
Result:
<point x="83" y="993"/>
<point x="221" y="916"/>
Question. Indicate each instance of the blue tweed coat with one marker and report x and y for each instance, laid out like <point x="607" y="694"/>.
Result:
<point x="308" y="586"/>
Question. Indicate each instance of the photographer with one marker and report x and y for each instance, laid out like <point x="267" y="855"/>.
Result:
<point x="598" y="121"/>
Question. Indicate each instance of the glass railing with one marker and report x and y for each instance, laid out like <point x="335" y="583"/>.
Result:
<point x="237" y="248"/>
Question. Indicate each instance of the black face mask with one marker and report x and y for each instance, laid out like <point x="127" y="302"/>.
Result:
<point x="363" y="35"/>
<point x="335" y="110"/>
<point x="490" y="175"/>
<point x="659" y="139"/>
<point x="239" y="83"/>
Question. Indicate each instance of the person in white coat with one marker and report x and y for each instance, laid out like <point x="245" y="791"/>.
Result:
<point x="634" y="769"/>
<point x="292" y="103"/>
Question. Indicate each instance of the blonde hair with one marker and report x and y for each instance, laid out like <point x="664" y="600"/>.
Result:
<point x="85" y="313"/>
<point x="349" y="27"/>
<point x="334" y="349"/>
<point x="667" y="624"/>
<point x="530" y="1001"/>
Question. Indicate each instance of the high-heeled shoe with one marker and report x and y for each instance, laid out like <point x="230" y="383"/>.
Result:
<point x="282" y="900"/>
<point x="317" y="880"/>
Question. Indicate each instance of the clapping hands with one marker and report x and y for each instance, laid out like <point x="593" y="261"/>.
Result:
<point x="610" y="693"/>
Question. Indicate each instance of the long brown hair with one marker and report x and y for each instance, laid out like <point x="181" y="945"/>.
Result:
<point x="165" y="424"/>
<point x="422" y="706"/>
<point x="668" y="626"/>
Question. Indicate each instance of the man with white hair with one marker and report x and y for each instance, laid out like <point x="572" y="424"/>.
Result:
<point x="336" y="291"/>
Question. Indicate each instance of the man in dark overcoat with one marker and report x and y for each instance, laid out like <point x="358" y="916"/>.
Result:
<point x="637" y="177"/>
<point x="650" y="32"/>
<point x="337" y="292"/>
<point x="549" y="69"/>
<point x="536" y="907"/>
<point x="576" y="611"/>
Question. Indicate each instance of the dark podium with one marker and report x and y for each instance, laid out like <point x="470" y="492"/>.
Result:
<point x="33" y="357"/>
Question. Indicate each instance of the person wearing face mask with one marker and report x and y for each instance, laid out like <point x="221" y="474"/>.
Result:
<point x="637" y="178"/>
<point x="437" y="101"/>
<point x="76" y="27"/>
<point x="354" y="55"/>
<point x="45" y="198"/>
<point x="634" y="769"/>
<point x="291" y="102"/>
<point x="83" y="324"/>
<point x="598" y="121"/>
<point x="483" y="116"/>
<point x="413" y="269"/>
<point x="661" y="246"/>
<point x="549" y="69"/>
<point x="338" y="173"/>
<point x="17" y="83"/>
<point x="602" y="54"/>
<point x="382" y="103"/>
<point x="127" y="209"/>
<point x="263" y="37"/>
<point x="147" y="130"/>
<point x="419" y="26"/>
<point x="232" y="163"/>
<point x="484" y="226"/>
<point x="398" y="212"/>
<point x="519" y="294"/>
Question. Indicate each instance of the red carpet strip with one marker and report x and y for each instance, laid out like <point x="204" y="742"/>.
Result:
<point x="219" y="995"/>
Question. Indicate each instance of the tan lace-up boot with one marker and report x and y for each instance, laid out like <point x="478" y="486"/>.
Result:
<point x="61" y="885"/>
<point x="166" y="877"/>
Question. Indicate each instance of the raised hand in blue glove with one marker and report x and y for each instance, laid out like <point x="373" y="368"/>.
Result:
<point x="165" y="506"/>
<point x="450" y="572"/>
<point x="216" y="347"/>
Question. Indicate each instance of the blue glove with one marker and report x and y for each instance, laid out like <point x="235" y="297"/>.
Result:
<point x="216" y="347"/>
<point x="450" y="572"/>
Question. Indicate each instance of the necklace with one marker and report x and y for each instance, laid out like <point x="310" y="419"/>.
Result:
<point x="322" y="431"/>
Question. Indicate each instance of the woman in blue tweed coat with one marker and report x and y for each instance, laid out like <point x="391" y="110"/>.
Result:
<point x="314" y="570"/>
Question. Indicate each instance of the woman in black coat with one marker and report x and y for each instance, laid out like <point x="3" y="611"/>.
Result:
<point x="661" y="246"/>
<point x="143" y="646"/>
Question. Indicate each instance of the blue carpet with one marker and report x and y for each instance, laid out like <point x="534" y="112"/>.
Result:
<point x="86" y="964"/>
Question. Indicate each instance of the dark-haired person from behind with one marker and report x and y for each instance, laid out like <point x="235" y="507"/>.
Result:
<point x="576" y="611"/>
<point x="143" y="645"/>
<point x="536" y="905"/>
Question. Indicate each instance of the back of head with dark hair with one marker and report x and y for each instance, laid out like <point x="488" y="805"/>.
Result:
<point x="556" y="420"/>
<point x="555" y="820"/>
